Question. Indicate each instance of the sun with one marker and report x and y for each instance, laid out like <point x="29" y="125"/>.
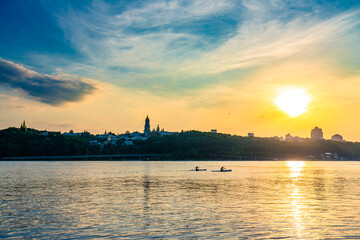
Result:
<point x="293" y="101"/>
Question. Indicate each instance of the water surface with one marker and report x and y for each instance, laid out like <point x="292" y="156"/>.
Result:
<point x="137" y="200"/>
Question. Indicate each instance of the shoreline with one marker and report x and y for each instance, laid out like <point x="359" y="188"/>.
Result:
<point x="172" y="160"/>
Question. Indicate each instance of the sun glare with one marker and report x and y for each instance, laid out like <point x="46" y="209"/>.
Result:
<point x="293" y="101"/>
<point x="295" y="168"/>
<point x="295" y="165"/>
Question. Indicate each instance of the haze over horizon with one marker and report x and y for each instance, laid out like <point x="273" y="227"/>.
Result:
<point x="235" y="66"/>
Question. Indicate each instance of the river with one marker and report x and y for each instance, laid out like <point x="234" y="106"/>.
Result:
<point x="163" y="199"/>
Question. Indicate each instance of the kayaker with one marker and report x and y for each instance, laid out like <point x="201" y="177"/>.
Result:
<point x="197" y="168"/>
<point x="222" y="169"/>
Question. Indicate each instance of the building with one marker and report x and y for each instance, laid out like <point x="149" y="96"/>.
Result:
<point x="213" y="131"/>
<point x="330" y="156"/>
<point x="71" y="133"/>
<point x="165" y="133"/>
<point x="317" y="133"/>
<point x="155" y="132"/>
<point x="23" y="127"/>
<point x="298" y="139"/>
<point x="290" y="138"/>
<point x="135" y="134"/>
<point x="251" y="135"/>
<point x="278" y="138"/>
<point x="94" y="142"/>
<point x="147" y="126"/>
<point x="337" y="138"/>
<point x="107" y="135"/>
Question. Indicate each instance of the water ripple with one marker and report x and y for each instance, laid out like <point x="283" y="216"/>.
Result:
<point x="137" y="200"/>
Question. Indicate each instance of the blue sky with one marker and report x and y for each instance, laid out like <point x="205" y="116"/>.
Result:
<point x="166" y="49"/>
<point x="121" y="41"/>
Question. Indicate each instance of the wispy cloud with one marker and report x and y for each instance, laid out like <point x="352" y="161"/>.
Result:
<point x="260" y="42"/>
<point x="48" y="89"/>
<point x="161" y="13"/>
<point x="142" y="36"/>
<point x="170" y="46"/>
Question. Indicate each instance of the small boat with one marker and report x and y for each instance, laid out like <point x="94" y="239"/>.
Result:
<point x="222" y="169"/>
<point x="226" y="170"/>
<point x="198" y="170"/>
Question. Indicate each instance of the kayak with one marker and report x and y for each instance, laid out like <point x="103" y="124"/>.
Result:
<point x="227" y="170"/>
<point x="199" y="170"/>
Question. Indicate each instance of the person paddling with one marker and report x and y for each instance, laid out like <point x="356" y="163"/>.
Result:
<point x="222" y="169"/>
<point x="197" y="168"/>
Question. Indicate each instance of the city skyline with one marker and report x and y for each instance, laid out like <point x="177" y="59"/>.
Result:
<point x="316" y="133"/>
<point x="268" y="67"/>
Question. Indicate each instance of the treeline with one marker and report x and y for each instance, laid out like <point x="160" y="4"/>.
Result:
<point x="15" y="142"/>
<point x="202" y="145"/>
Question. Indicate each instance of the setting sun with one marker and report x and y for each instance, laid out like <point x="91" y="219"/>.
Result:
<point x="293" y="101"/>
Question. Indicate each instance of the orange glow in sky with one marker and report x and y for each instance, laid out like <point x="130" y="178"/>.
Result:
<point x="265" y="67"/>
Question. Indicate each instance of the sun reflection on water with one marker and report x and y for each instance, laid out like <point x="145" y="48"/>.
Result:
<point x="295" y="172"/>
<point x="295" y="168"/>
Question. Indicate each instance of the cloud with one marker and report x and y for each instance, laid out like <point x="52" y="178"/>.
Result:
<point x="160" y="13"/>
<point x="144" y="35"/>
<point x="171" y="46"/>
<point x="260" y="41"/>
<point x="52" y="90"/>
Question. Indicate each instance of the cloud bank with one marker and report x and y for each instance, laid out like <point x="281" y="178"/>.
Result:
<point x="48" y="89"/>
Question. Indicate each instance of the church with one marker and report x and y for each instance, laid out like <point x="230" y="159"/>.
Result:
<point x="154" y="132"/>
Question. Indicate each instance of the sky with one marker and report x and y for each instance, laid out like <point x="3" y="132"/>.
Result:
<point x="190" y="65"/>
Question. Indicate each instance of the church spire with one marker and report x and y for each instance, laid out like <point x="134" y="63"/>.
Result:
<point x="147" y="126"/>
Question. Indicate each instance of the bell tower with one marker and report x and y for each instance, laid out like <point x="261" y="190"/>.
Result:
<point x="147" y="126"/>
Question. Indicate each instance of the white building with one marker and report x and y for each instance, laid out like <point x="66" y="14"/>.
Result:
<point x="317" y="133"/>
<point x="337" y="138"/>
<point x="72" y="134"/>
<point x="289" y="138"/>
<point x="164" y="133"/>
